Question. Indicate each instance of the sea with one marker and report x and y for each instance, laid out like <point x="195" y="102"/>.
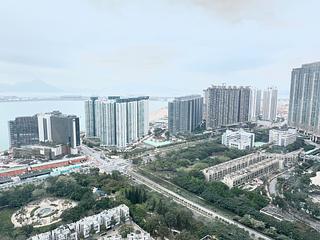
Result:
<point x="11" y="110"/>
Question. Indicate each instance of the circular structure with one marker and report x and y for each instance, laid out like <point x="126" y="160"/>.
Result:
<point x="44" y="212"/>
<point x="41" y="213"/>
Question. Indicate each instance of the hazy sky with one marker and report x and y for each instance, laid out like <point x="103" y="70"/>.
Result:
<point x="156" y="47"/>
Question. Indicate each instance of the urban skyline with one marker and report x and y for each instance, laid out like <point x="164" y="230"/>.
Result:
<point x="166" y="119"/>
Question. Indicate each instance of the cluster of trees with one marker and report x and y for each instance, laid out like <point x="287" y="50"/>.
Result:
<point x="17" y="196"/>
<point x="152" y="212"/>
<point x="162" y="218"/>
<point x="158" y="132"/>
<point x="236" y="200"/>
<point x="243" y="203"/>
<point x="261" y="135"/>
<point x="76" y="187"/>
<point x="300" y="143"/>
<point x="79" y="188"/>
<point x="136" y="194"/>
<point x="297" y="190"/>
<point x="209" y="153"/>
<point x="182" y="168"/>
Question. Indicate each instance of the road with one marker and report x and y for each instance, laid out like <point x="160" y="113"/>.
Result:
<point x="105" y="164"/>
<point x="272" y="186"/>
<point x="108" y="165"/>
<point x="193" y="206"/>
<point x="291" y="213"/>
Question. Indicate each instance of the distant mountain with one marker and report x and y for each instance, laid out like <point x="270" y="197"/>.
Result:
<point x="36" y="86"/>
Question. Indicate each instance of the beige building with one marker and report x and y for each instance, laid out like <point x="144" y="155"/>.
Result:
<point x="242" y="170"/>
<point x="257" y="170"/>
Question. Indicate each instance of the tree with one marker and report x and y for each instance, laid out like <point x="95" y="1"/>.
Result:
<point x="136" y="194"/>
<point x="73" y="214"/>
<point x="281" y="203"/>
<point x="103" y="204"/>
<point x="157" y="132"/>
<point x="167" y="134"/>
<point x="171" y="219"/>
<point x="28" y="229"/>
<point x="163" y="231"/>
<point x="38" y="193"/>
<point x="185" y="235"/>
<point x="153" y="223"/>
<point x="116" y="175"/>
<point x="125" y="230"/>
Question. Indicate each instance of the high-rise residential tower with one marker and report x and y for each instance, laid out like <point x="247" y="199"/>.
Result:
<point x="23" y="131"/>
<point x="90" y="116"/>
<point x="226" y="105"/>
<point x="270" y="104"/>
<point x="304" y="107"/>
<point x="255" y="104"/>
<point x="121" y="121"/>
<point x="185" y="114"/>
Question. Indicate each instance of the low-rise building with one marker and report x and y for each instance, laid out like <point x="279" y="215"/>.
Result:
<point x="28" y="169"/>
<point x="281" y="137"/>
<point x="139" y="236"/>
<point x="241" y="139"/>
<point x="131" y="236"/>
<point x="217" y="172"/>
<point x="84" y="227"/>
<point x="254" y="171"/>
<point x="244" y="169"/>
<point x="41" y="152"/>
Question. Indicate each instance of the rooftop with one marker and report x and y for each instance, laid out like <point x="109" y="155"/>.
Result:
<point x="310" y="65"/>
<point x="227" y="87"/>
<point x="189" y="97"/>
<point x="252" y="168"/>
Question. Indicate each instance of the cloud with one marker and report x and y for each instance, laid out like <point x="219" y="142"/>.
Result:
<point x="137" y="58"/>
<point x="237" y="10"/>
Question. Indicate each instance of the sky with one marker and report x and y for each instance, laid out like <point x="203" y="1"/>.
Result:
<point x="156" y="47"/>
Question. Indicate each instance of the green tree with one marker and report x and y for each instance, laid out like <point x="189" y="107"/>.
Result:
<point x="185" y="235"/>
<point x="167" y="134"/>
<point x="170" y="219"/>
<point x="157" y="132"/>
<point x="27" y="230"/>
<point x="125" y="230"/>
